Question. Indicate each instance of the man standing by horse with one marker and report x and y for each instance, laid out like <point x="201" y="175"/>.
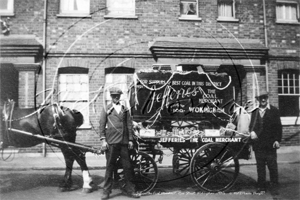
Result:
<point x="117" y="140"/>
<point x="266" y="133"/>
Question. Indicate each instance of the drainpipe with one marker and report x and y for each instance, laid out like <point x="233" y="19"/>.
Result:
<point x="44" y="61"/>
<point x="266" y="44"/>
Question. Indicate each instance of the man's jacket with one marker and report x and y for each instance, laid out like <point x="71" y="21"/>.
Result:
<point x="268" y="129"/>
<point x="119" y="126"/>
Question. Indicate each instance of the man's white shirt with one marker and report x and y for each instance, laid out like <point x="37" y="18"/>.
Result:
<point x="263" y="110"/>
<point x="118" y="107"/>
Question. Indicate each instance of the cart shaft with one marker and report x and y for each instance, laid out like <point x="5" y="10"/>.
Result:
<point x="47" y="139"/>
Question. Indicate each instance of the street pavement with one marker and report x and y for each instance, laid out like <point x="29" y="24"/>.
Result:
<point x="43" y="185"/>
<point x="55" y="161"/>
<point x="32" y="176"/>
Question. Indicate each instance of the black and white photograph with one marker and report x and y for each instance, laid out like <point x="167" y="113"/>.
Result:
<point x="150" y="99"/>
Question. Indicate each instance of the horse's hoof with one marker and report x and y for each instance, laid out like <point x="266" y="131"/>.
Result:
<point x="68" y="189"/>
<point x="87" y="190"/>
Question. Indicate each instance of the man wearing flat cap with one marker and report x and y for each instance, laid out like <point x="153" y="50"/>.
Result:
<point x="266" y="133"/>
<point x="116" y="135"/>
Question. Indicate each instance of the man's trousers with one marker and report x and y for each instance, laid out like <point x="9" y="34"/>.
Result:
<point x="268" y="158"/>
<point x="112" y="154"/>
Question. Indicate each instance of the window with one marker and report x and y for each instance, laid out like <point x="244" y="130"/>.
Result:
<point x="75" y="7"/>
<point x="189" y="9"/>
<point x="73" y="86"/>
<point x="120" y="77"/>
<point x="120" y="8"/>
<point x="288" y="93"/>
<point x="287" y="11"/>
<point x="6" y="7"/>
<point x="226" y="10"/>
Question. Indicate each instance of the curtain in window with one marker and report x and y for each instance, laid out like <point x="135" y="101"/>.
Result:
<point x="121" y="7"/>
<point x="225" y="10"/>
<point x="6" y="6"/>
<point x="279" y="12"/>
<point x="286" y="12"/>
<point x="74" y="5"/>
<point x="3" y="4"/>
<point x="293" y="12"/>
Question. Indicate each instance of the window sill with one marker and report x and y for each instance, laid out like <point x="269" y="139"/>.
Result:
<point x="120" y="17"/>
<point x="85" y="127"/>
<point x="227" y="19"/>
<point x="290" y="121"/>
<point x="74" y="15"/>
<point x="190" y="19"/>
<point x="7" y="14"/>
<point x="286" y="1"/>
<point x="287" y="22"/>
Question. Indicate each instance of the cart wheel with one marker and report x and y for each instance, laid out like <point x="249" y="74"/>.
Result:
<point x="181" y="161"/>
<point x="145" y="171"/>
<point x="214" y="167"/>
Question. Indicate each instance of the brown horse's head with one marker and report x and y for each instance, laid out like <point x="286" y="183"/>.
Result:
<point x="78" y="117"/>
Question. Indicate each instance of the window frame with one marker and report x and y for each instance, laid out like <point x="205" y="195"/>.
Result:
<point x="285" y="3"/>
<point x="288" y="120"/>
<point x="111" y="14"/>
<point x="232" y="18"/>
<point x="187" y="16"/>
<point x="84" y="102"/>
<point x="73" y="13"/>
<point x="10" y="11"/>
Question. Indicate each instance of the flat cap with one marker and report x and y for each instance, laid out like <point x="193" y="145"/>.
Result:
<point x="115" y="90"/>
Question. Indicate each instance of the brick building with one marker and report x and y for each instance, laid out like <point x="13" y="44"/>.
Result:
<point x="73" y="45"/>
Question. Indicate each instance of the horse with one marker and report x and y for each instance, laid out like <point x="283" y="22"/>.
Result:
<point x="52" y="121"/>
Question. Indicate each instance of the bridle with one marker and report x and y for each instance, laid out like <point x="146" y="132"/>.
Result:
<point x="57" y="113"/>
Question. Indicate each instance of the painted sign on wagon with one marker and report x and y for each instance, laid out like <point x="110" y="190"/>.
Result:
<point x="184" y="94"/>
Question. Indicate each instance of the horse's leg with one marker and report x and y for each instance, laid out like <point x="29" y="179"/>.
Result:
<point x="66" y="184"/>
<point x="87" y="179"/>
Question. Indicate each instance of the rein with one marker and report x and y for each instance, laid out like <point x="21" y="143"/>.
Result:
<point x="24" y="117"/>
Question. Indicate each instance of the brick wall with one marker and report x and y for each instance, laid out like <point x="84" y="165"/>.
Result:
<point x="290" y="135"/>
<point x="96" y="42"/>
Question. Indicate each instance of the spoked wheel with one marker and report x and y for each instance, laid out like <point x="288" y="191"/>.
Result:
<point x="214" y="167"/>
<point x="181" y="161"/>
<point x="145" y="171"/>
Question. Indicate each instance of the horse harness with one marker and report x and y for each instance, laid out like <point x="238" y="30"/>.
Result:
<point x="57" y="113"/>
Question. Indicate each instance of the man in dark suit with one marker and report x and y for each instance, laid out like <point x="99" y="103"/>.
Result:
<point x="266" y="133"/>
<point x="116" y="135"/>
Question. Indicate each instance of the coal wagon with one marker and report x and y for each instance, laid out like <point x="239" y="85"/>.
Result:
<point x="194" y="114"/>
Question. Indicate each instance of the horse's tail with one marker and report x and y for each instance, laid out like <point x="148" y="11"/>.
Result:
<point x="78" y="117"/>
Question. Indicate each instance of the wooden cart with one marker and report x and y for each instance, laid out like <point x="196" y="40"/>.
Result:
<point x="188" y="112"/>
